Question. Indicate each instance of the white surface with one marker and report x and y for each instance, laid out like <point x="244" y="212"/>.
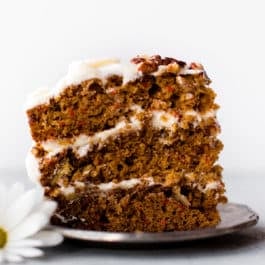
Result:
<point x="40" y="38"/>
<point x="244" y="248"/>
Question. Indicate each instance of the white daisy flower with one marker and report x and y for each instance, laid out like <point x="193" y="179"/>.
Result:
<point x="22" y="215"/>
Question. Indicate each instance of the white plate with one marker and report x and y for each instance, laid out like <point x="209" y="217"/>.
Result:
<point x="234" y="217"/>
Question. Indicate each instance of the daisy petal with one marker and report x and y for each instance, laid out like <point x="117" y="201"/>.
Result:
<point x="15" y="191"/>
<point x="49" y="238"/>
<point x="21" y="208"/>
<point x="31" y="225"/>
<point x="10" y="257"/>
<point x="25" y="243"/>
<point x="39" y="197"/>
<point x="3" y="196"/>
<point x="26" y="252"/>
<point x="48" y="207"/>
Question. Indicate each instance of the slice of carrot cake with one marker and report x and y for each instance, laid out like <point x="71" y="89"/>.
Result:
<point x="128" y="146"/>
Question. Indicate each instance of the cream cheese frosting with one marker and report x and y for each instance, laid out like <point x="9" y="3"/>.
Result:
<point x="162" y="119"/>
<point x="83" y="70"/>
<point x="32" y="167"/>
<point x="124" y="184"/>
<point x="82" y="144"/>
<point x="80" y="71"/>
<point x="130" y="183"/>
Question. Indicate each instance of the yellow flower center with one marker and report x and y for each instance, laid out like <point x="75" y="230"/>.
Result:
<point x="3" y="238"/>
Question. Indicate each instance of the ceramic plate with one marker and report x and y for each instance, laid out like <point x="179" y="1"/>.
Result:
<point x="234" y="217"/>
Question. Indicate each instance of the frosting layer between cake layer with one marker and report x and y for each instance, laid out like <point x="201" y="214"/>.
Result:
<point x="160" y="120"/>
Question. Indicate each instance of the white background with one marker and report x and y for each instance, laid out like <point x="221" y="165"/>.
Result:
<point x="38" y="39"/>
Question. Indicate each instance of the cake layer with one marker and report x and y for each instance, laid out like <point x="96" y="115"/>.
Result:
<point x="142" y="208"/>
<point x="93" y="105"/>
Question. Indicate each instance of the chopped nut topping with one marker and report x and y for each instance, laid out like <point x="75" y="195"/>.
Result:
<point x="149" y="65"/>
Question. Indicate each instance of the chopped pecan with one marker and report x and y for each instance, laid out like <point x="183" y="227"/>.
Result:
<point x="137" y="60"/>
<point x="196" y="66"/>
<point x="148" y="67"/>
<point x="150" y="64"/>
<point x="168" y="60"/>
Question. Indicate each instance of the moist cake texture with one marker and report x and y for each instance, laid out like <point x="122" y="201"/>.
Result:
<point x="128" y="146"/>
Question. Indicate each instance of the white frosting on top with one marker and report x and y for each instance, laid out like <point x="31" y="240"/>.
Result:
<point x="38" y="97"/>
<point x="84" y="70"/>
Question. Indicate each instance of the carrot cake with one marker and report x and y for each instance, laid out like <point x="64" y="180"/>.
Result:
<point x="128" y="146"/>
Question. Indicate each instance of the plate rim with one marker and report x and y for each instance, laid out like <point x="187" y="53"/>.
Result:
<point x="159" y="237"/>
